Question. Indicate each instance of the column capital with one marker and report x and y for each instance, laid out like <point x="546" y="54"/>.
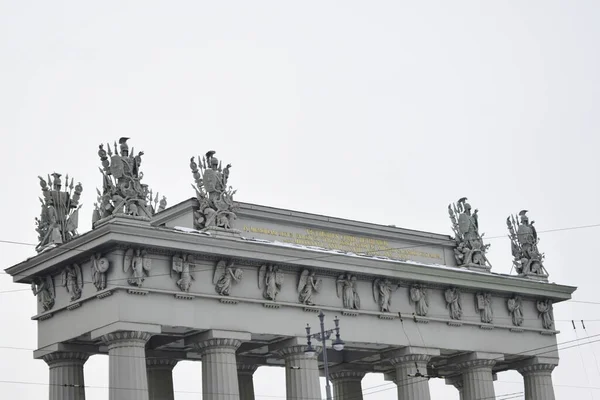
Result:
<point x="536" y="368"/>
<point x="226" y="344"/>
<point x="396" y="359"/>
<point x="456" y="381"/>
<point x="117" y="337"/>
<point x="246" y="369"/>
<point x="297" y="350"/>
<point x="473" y="364"/>
<point x="161" y="363"/>
<point x="62" y="356"/>
<point x="347" y="375"/>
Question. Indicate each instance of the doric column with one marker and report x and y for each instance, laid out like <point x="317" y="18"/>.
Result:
<point x="538" y="381"/>
<point x="413" y="388"/>
<point x="457" y="382"/>
<point x="301" y="373"/>
<point x="347" y="385"/>
<point x="219" y="368"/>
<point x="66" y="375"/>
<point x="245" y="380"/>
<point x="127" y="377"/>
<point x="160" y="378"/>
<point x="478" y="381"/>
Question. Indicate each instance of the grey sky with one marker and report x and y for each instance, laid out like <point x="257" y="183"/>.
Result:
<point x="379" y="111"/>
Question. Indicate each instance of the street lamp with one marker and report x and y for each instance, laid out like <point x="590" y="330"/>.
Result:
<point x="323" y="336"/>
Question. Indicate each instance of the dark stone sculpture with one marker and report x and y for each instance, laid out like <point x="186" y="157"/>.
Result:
<point x="216" y="205"/>
<point x="528" y="260"/>
<point x="60" y="212"/>
<point x="470" y="250"/>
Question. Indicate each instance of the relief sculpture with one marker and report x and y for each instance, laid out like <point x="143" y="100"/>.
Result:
<point x="270" y="280"/>
<point x="347" y="290"/>
<point x="100" y="266"/>
<point x="470" y="250"/>
<point x="418" y="296"/>
<point x="382" y="293"/>
<point x="72" y="280"/>
<point x="308" y="285"/>
<point x="43" y="288"/>
<point x="483" y="305"/>
<point x="453" y="303"/>
<point x="183" y="265"/>
<point x="515" y="308"/>
<point x="545" y="312"/>
<point x="225" y="276"/>
<point x="528" y="261"/>
<point x="138" y="262"/>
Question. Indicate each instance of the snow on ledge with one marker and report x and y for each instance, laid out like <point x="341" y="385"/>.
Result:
<point x="190" y="230"/>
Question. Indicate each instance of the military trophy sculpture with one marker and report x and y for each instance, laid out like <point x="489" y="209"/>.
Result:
<point x="470" y="250"/>
<point x="216" y="206"/>
<point x="528" y="261"/>
<point x="122" y="190"/>
<point x="59" y="217"/>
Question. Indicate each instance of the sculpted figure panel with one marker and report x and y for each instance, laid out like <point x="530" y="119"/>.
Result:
<point x="524" y="245"/>
<point x="515" y="308"/>
<point x="470" y="250"/>
<point x="137" y="263"/>
<point x="418" y="296"/>
<point x="72" y="280"/>
<point x="270" y="280"/>
<point x="216" y="205"/>
<point x="453" y="302"/>
<point x="225" y="276"/>
<point x="545" y="312"/>
<point x="382" y="293"/>
<point x="100" y="266"/>
<point x="43" y="288"/>
<point x="183" y="265"/>
<point x="59" y="217"/>
<point x="346" y="290"/>
<point x="308" y="285"/>
<point x="483" y="305"/>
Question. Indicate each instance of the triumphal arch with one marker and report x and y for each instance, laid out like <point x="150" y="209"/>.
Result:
<point x="233" y="285"/>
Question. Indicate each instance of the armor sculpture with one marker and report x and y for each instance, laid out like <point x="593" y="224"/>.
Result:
<point x="470" y="250"/>
<point x="528" y="261"/>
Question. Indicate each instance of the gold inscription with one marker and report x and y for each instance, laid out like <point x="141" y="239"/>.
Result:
<point x="349" y="243"/>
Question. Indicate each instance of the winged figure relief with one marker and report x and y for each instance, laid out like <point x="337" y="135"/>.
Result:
<point x="43" y="288"/>
<point x="347" y="291"/>
<point x="72" y="280"/>
<point x="225" y="276"/>
<point x="453" y="303"/>
<point x="183" y="265"/>
<point x="308" y="285"/>
<point x="100" y="266"/>
<point x="270" y="279"/>
<point x="138" y="262"/>
<point x="382" y="293"/>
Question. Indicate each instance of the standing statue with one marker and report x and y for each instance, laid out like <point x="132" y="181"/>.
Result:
<point x="59" y="217"/>
<point x="545" y="312"/>
<point x="515" y="308"/>
<point x="225" y="276"/>
<point x="347" y="290"/>
<point x="382" y="293"/>
<point x="122" y="189"/>
<point x="453" y="302"/>
<point x="308" y="285"/>
<point x="216" y="205"/>
<point x="470" y="250"/>
<point x="418" y="296"/>
<point x="139" y="263"/>
<point x="524" y="240"/>
<point x="270" y="279"/>
<point x="483" y="305"/>
<point x="72" y="280"/>
<point x="99" y="267"/>
<point x="43" y="288"/>
<point x="183" y="266"/>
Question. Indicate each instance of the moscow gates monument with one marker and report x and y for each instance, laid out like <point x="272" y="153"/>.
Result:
<point x="232" y="285"/>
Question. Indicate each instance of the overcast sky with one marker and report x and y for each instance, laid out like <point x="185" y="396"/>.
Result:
<point x="381" y="111"/>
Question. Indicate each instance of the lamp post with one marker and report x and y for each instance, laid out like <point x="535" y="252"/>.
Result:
<point x="323" y="336"/>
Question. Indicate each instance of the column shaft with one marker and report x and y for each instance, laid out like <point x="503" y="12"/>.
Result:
<point x="219" y="368"/>
<point x="160" y="378"/>
<point x="66" y="375"/>
<point x="127" y="377"/>
<point x="478" y="381"/>
<point x="301" y="374"/>
<point x="246" y="381"/>
<point x="413" y="388"/>
<point x="538" y="381"/>
<point x="457" y="382"/>
<point x="347" y="385"/>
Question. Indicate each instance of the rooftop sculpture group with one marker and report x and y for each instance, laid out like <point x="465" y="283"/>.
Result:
<point x="524" y="240"/>
<point x="60" y="212"/>
<point x="470" y="250"/>
<point x="217" y="208"/>
<point x="122" y="189"/>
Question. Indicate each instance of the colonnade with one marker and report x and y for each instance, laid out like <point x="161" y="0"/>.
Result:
<point x="133" y="376"/>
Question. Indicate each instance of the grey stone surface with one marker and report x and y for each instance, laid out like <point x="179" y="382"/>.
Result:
<point x="538" y="381"/>
<point x="122" y="189"/>
<point x="409" y="385"/>
<point x="478" y="382"/>
<point x="59" y="216"/>
<point x="347" y="385"/>
<point x="528" y="261"/>
<point x="457" y="382"/>
<point x="301" y="373"/>
<point x="66" y="375"/>
<point x="246" y="380"/>
<point x="160" y="378"/>
<point x="216" y="207"/>
<point x="219" y="368"/>
<point x="470" y="251"/>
